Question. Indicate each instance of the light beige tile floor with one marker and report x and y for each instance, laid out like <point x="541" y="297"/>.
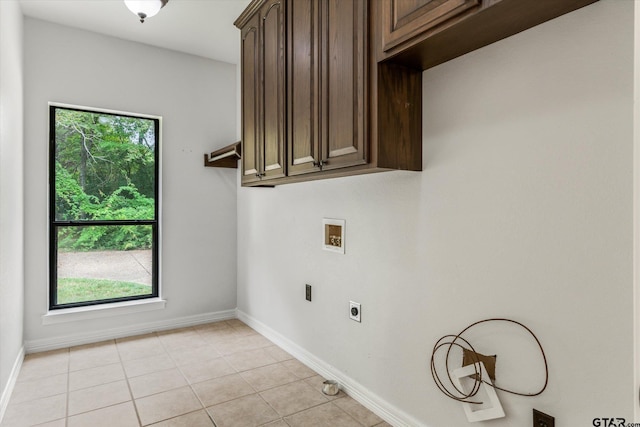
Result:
<point x="220" y="374"/>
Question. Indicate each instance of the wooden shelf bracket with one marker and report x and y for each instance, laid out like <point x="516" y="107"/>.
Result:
<point x="226" y="157"/>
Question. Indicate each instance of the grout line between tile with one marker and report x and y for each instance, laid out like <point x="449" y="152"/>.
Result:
<point x="126" y="378"/>
<point x="66" y="409"/>
<point x="297" y="412"/>
<point x="352" y="417"/>
<point x="189" y="384"/>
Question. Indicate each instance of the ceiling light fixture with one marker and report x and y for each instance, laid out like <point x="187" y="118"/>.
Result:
<point x="145" y="8"/>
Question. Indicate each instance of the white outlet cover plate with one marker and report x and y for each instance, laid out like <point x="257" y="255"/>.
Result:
<point x="351" y="315"/>
<point x="493" y="408"/>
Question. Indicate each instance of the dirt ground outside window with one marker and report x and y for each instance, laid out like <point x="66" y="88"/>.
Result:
<point x="126" y="266"/>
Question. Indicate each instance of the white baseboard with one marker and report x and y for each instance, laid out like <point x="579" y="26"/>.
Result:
<point x="45" y="344"/>
<point x="364" y="396"/>
<point x="8" y="389"/>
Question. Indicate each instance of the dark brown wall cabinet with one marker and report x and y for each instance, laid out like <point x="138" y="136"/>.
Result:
<point x="325" y="56"/>
<point x="404" y="19"/>
<point x="424" y="33"/>
<point x="263" y="92"/>
<point x="334" y="87"/>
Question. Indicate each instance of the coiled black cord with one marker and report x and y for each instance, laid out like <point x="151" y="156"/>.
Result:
<point x="461" y="396"/>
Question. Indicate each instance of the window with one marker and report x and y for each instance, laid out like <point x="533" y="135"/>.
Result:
<point x="103" y="206"/>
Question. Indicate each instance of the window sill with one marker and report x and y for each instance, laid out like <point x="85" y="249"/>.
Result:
<point x="102" y="310"/>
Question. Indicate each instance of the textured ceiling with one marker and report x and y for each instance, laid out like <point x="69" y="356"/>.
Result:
<point x="199" y="27"/>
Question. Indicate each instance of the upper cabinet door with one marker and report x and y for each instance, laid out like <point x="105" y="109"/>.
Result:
<point x="403" y="19"/>
<point x="327" y="77"/>
<point x="273" y="89"/>
<point x="251" y="131"/>
<point x="343" y="83"/>
<point x="303" y="86"/>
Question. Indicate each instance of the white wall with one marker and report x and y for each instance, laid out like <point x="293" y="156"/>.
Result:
<point x="196" y="98"/>
<point x="636" y="207"/>
<point x="523" y="210"/>
<point x="11" y="193"/>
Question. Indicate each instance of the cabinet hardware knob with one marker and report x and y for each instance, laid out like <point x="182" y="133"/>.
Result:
<point x="319" y="164"/>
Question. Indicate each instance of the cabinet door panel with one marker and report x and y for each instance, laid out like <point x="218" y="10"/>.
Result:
<point x="343" y="77"/>
<point x="404" y="19"/>
<point x="250" y="100"/>
<point x="273" y="89"/>
<point x="303" y="139"/>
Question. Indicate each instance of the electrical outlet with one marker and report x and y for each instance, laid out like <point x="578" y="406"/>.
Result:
<point x="541" y="419"/>
<point x="355" y="311"/>
<point x="308" y="293"/>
